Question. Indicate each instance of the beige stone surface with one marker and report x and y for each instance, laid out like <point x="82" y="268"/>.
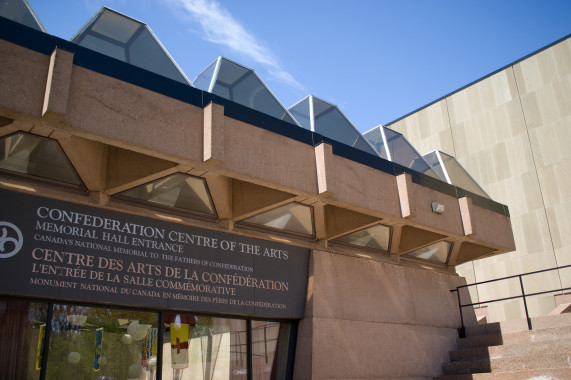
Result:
<point x="512" y="132"/>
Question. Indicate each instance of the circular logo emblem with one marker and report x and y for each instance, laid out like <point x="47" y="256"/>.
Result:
<point x="11" y="240"/>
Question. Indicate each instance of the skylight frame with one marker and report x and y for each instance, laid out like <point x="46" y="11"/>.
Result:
<point x="263" y="228"/>
<point x="50" y="182"/>
<point x="214" y="80"/>
<point x="408" y="255"/>
<point x="336" y="240"/>
<point x="155" y="206"/>
<point x="87" y="29"/>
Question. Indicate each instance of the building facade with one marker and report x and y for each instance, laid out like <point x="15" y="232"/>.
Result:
<point x="511" y="131"/>
<point x="150" y="229"/>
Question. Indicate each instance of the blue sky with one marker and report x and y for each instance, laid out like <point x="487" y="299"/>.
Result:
<point x="376" y="59"/>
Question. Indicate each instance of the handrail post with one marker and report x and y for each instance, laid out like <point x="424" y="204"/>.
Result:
<point x="525" y="304"/>
<point x="463" y="329"/>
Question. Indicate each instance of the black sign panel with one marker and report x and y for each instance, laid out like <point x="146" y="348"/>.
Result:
<point x="63" y="250"/>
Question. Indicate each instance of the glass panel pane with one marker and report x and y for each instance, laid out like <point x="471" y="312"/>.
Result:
<point x="436" y="252"/>
<point x="178" y="191"/>
<point x="146" y="52"/>
<point x="330" y="122"/>
<point x="241" y="85"/>
<point x="203" y="79"/>
<point x="110" y="343"/>
<point x="377" y="237"/>
<point x="200" y="347"/>
<point x="403" y="153"/>
<point x="434" y="162"/>
<point x="301" y="113"/>
<point x="37" y="156"/>
<point x="293" y="217"/>
<point x="104" y="47"/>
<point x="459" y="176"/>
<point x="22" y="329"/>
<point x="115" y="26"/>
<point x="375" y="137"/>
<point x="270" y="346"/>
<point x="20" y="11"/>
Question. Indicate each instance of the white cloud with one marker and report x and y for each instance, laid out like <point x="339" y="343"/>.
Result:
<point x="220" y="27"/>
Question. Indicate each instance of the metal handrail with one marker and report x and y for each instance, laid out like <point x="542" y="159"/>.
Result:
<point x="523" y="295"/>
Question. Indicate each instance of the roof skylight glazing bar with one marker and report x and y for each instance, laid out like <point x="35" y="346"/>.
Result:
<point x="215" y="74"/>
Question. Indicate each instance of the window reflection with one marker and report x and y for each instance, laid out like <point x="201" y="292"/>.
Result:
<point x="115" y="344"/>
<point x="201" y="347"/>
<point x="22" y="332"/>
<point x="270" y="341"/>
<point x="100" y="343"/>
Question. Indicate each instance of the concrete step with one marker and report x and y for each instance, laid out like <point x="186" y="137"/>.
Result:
<point x="538" y="323"/>
<point x="509" y="364"/>
<point x="522" y="337"/>
<point x="496" y="352"/>
<point x="533" y="374"/>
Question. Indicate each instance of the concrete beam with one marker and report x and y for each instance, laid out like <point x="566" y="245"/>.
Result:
<point x="57" y="86"/>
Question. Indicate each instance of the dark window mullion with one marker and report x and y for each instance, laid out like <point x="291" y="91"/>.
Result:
<point x="46" y="341"/>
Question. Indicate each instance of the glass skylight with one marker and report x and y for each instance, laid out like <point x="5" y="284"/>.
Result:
<point x="38" y="157"/>
<point x="177" y="191"/>
<point x="121" y="37"/>
<point x="376" y="237"/>
<point x="242" y="85"/>
<point x="326" y="119"/>
<point x="394" y="147"/>
<point x="20" y="11"/>
<point x="292" y="217"/>
<point x="453" y="172"/>
<point x="436" y="252"/>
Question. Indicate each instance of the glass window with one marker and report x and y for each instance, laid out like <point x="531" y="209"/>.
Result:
<point x="376" y="237"/>
<point x="202" y="347"/>
<point x="22" y="333"/>
<point x="436" y="252"/>
<point x="37" y="156"/>
<point x="87" y="342"/>
<point x="270" y="347"/>
<point x="292" y="217"/>
<point x="179" y="191"/>
<point x="90" y="342"/>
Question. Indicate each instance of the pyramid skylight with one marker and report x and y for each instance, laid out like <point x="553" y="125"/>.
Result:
<point x="326" y="119"/>
<point x="178" y="191"/>
<point x="124" y="38"/>
<point x="20" y="11"/>
<point x="41" y="158"/>
<point x="452" y="172"/>
<point x="242" y="85"/>
<point x="394" y="147"/>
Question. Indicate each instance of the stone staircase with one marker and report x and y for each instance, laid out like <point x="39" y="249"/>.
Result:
<point x="508" y="350"/>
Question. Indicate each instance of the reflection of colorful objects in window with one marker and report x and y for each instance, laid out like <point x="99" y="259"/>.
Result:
<point x="40" y="350"/>
<point x="179" y="344"/>
<point x="149" y="346"/>
<point x="98" y="345"/>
